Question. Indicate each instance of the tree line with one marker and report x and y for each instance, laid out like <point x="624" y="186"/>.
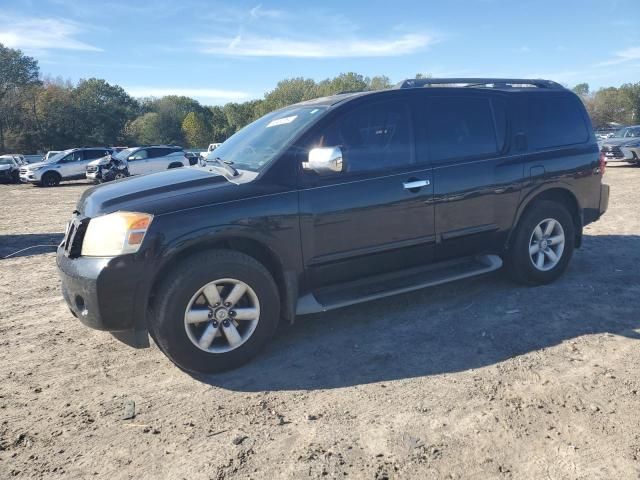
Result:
<point x="40" y="114"/>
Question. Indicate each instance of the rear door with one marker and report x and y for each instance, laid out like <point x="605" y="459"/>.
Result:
<point x="367" y="220"/>
<point x="477" y="184"/>
<point x="157" y="159"/>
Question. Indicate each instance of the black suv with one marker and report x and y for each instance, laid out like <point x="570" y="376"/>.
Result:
<point x="332" y="202"/>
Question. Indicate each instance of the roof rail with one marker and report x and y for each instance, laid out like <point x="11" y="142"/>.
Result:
<point x="499" y="83"/>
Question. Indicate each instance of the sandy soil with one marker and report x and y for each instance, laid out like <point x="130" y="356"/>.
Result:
<point x="479" y="379"/>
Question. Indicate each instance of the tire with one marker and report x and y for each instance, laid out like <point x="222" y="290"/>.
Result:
<point x="50" y="179"/>
<point x="520" y="260"/>
<point x="175" y="298"/>
<point x="15" y="177"/>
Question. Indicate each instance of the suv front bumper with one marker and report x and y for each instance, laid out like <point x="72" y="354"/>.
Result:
<point x="102" y="293"/>
<point x="30" y="176"/>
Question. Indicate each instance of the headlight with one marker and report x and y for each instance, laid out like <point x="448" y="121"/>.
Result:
<point x="115" y="234"/>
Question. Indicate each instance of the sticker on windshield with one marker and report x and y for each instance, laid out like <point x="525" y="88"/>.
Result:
<point x="282" y="121"/>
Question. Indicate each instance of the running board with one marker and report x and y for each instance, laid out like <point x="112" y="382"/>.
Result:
<point x="342" y="295"/>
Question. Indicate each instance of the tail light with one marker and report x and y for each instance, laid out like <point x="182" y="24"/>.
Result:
<point x="603" y="163"/>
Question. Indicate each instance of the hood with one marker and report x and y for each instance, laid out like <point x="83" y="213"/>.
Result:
<point x="33" y="166"/>
<point x="619" y="142"/>
<point x="100" y="161"/>
<point x="162" y="192"/>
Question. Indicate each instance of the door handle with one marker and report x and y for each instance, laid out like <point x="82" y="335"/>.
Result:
<point x="415" y="184"/>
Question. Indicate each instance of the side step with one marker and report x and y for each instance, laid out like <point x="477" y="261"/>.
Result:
<point x="380" y="286"/>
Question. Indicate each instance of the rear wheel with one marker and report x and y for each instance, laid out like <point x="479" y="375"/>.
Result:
<point x="543" y="244"/>
<point x="50" y="179"/>
<point x="215" y="311"/>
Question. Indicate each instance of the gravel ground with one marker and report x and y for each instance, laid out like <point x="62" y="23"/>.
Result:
<point x="477" y="379"/>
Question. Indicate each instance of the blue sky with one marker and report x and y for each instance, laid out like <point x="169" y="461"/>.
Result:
<point x="234" y="51"/>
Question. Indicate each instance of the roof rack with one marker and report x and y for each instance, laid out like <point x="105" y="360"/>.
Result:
<point x="498" y="83"/>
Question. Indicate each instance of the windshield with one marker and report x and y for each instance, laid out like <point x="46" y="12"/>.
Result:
<point x="627" y="132"/>
<point x="257" y="144"/>
<point x="6" y="161"/>
<point x="124" y="154"/>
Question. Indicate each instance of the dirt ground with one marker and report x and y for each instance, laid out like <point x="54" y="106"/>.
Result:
<point x="479" y="379"/>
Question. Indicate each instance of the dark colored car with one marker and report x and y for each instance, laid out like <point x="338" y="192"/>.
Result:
<point x="332" y="202"/>
<point x="10" y="168"/>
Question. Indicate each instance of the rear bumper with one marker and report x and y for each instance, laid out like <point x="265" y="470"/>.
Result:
<point x="604" y="198"/>
<point x="599" y="206"/>
<point x="102" y="294"/>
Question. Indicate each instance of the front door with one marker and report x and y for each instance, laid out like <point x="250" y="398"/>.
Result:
<point x="137" y="162"/>
<point x="377" y="216"/>
<point x="69" y="166"/>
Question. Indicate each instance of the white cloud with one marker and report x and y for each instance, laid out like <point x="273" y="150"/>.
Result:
<point x="269" y="46"/>
<point x="42" y="34"/>
<point x="203" y="93"/>
<point x="259" y="12"/>
<point x="622" y="56"/>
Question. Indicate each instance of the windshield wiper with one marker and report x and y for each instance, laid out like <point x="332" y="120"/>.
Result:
<point x="227" y="165"/>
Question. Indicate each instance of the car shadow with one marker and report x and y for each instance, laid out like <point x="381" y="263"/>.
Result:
<point x="26" y="245"/>
<point x="455" y="327"/>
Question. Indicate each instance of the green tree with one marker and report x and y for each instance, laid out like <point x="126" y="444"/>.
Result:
<point x="145" y="130"/>
<point x="220" y="129"/>
<point x="582" y="89"/>
<point x="196" y="130"/>
<point x="17" y="71"/>
<point x="380" y="82"/>
<point x="102" y="111"/>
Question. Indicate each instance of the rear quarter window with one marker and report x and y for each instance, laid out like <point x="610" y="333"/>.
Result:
<point x="461" y="128"/>
<point x="555" y="121"/>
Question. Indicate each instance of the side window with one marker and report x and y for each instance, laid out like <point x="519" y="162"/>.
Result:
<point x="139" y="155"/>
<point x="461" y="127"/>
<point x="156" y="152"/>
<point x="555" y="121"/>
<point x="372" y="137"/>
<point x="93" y="154"/>
<point x="72" y="157"/>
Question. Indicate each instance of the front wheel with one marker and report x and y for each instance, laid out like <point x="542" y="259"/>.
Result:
<point x="543" y="244"/>
<point x="215" y="311"/>
<point x="50" y="179"/>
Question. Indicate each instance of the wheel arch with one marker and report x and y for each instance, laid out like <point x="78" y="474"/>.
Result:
<point x="249" y="245"/>
<point x="557" y="193"/>
<point x="51" y="172"/>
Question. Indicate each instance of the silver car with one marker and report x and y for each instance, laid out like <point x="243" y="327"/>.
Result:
<point x="623" y="146"/>
<point x="67" y="165"/>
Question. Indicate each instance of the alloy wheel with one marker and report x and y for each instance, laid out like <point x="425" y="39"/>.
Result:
<point x="222" y="315"/>
<point x="546" y="244"/>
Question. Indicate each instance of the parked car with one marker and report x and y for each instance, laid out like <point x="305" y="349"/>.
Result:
<point x="623" y="146"/>
<point x="19" y="158"/>
<point x="9" y="169"/>
<point x="67" y="165"/>
<point x="141" y="160"/>
<point x="332" y="202"/>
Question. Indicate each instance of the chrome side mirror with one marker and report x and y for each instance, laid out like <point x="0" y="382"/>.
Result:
<point x="325" y="160"/>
